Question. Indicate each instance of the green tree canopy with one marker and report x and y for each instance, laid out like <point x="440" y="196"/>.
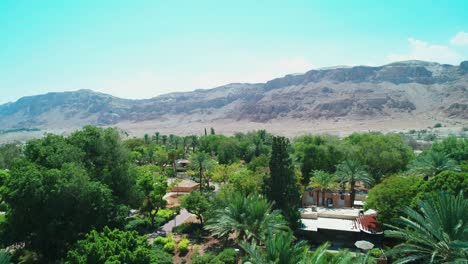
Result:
<point x="381" y="154"/>
<point x="111" y="246"/>
<point x="431" y="163"/>
<point x="196" y="203"/>
<point x="8" y="154"/>
<point x="52" y="151"/>
<point x="318" y="153"/>
<point x="391" y="195"/>
<point x="446" y="181"/>
<point x="107" y="160"/>
<point x="51" y="208"/>
<point x="282" y="187"/>
<point x="153" y="187"/>
<point x="455" y="148"/>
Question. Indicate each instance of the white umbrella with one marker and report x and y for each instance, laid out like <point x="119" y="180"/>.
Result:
<point x="370" y="212"/>
<point x="364" y="245"/>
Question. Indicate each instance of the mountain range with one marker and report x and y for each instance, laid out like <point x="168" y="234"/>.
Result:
<point x="406" y="93"/>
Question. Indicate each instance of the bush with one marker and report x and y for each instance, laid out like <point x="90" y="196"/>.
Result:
<point x="228" y="256"/>
<point x="208" y="258"/>
<point x="116" y="245"/>
<point x="187" y="228"/>
<point x="160" y="240"/>
<point x="166" y="214"/>
<point x="183" y="246"/>
<point x="142" y="226"/>
<point x="376" y="253"/>
<point x="168" y="243"/>
<point x="160" y="256"/>
<point x="391" y="195"/>
<point x="437" y="125"/>
<point x="169" y="247"/>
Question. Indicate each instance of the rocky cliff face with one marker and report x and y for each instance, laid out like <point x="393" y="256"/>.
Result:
<point x="355" y="93"/>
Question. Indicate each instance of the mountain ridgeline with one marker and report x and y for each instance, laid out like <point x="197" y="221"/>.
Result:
<point x="408" y="89"/>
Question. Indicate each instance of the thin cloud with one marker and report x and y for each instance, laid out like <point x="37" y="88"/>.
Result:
<point x="148" y="83"/>
<point x="460" y="39"/>
<point x="421" y="50"/>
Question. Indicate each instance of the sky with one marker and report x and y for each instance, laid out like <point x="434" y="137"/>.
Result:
<point x="141" y="49"/>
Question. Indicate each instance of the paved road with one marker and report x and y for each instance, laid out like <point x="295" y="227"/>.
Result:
<point x="179" y="219"/>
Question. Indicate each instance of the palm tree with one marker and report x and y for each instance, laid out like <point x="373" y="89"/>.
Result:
<point x="248" y="218"/>
<point x="351" y="172"/>
<point x="199" y="162"/>
<point x="193" y="142"/>
<point x="172" y="155"/>
<point x="280" y="249"/>
<point x="5" y="257"/>
<point x="157" y="137"/>
<point x="323" y="181"/>
<point x="432" y="163"/>
<point x="437" y="233"/>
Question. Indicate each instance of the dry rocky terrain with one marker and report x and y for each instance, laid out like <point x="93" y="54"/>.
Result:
<point x="397" y="96"/>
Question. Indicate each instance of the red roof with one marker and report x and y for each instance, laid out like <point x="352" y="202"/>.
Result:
<point x="368" y="224"/>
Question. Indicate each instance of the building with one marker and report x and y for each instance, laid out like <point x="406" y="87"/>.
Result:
<point x="182" y="164"/>
<point x="336" y="199"/>
<point x="184" y="186"/>
<point x="341" y="227"/>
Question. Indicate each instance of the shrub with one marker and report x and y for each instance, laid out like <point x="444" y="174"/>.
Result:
<point x="168" y="243"/>
<point x="160" y="240"/>
<point x="228" y="256"/>
<point x="437" y="125"/>
<point x="169" y="247"/>
<point x="115" y="246"/>
<point x="140" y="225"/>
<point x="187" y="228"/>
<point x="376" y="253"/>
<point x="160" y="256"/>
<point x="166" y="214"/>
<point x="183" y="245"/>
<point x="208" y="258"/>
<point x="391" y="195"/>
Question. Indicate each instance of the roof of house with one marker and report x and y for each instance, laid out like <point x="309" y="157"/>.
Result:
<point x="369" y="224"/>
<point x="330" y="224"/>
<point x="184" y="183"/>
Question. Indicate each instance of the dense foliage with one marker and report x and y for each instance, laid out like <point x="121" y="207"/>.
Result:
<point x="436" y="233"/>
<point x="51" y="208"/>
<point x="282" y="187"/>
<point x="196" y="203"/>
<point x="393" y="194"/>
<point x="92" y="196"/>
<point x="111" y="246"/>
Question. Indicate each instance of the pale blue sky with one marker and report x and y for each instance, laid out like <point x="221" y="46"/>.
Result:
<point x="140" y="49"/>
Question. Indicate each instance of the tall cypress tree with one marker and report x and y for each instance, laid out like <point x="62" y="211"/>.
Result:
<point x="282" y="186"/>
